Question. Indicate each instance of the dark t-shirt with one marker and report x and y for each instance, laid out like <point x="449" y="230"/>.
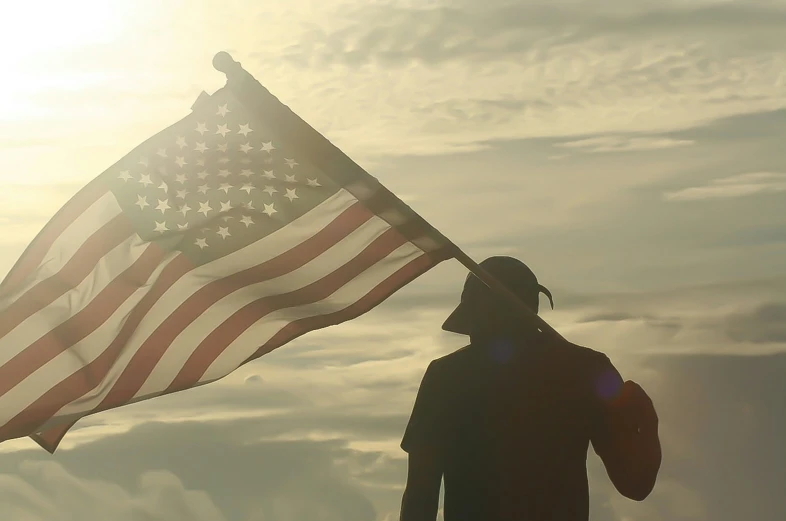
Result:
<point x="511" y="425"/>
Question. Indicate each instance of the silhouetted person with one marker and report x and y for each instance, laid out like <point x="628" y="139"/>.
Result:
<point x="508" y="419"/>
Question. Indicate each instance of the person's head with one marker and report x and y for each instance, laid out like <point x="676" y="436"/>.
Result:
<point x="483" y="311"/>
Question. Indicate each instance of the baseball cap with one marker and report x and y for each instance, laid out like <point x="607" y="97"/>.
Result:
<point x="511" y="272"/>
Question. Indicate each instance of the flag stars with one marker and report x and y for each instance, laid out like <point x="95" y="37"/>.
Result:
<point x="225" y="187"/>
<point x="247" y="187"/>
<point x="202" y="243"/>
<point x="249" y="206"/>
<point x="223" y="160"/>
<point x="291" y="163"/>
<point x="163" y="205"/>
<point x="223" y="130"/>
<point x="181" y="142"/>
<point x="268" y="147"/>
<point x="202" y="175"/>
<point x="291" y="195"/>
<point x="180" y="161"/>
<point x="202" y="189"/>
<point x="124" y="175"/>
<point x="180" y="178"/>
<point x="269" y="209"/>
<point x="182" y="227"/>
<point x="226" y="207"/>
<point x="143" y="161"/>
<point x="181" y="194"/>
<point x="246" y="147"/>
<point x="269" y="190"/>
<point x="290" y="178"/>
<point x="204" y="208"/>
<point x="144" y="179"/>
<point x="247" y="220"/>
<point x="201" y="161"/>
<point x="224" y="173"/>
<point x="246" y="173"/>
<point x="269" y="174"/>
<point x="184" y="209"/>
<point x="245" y="129"/>
<point x="201" y="128"/>
<point x="313" y="183"/>
<point x="163" y="186"/>
<point x="161" y="152"/>
<point x="223" y="232"/>
<point x="161" y="227"/>
<point x="222" y="147"/>
<point x="141" y="202"/>
<point x="223" y="110"/>
<point x="200" y="147"/>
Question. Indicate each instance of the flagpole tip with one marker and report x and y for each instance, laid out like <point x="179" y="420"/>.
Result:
<point x="223" y="62"/>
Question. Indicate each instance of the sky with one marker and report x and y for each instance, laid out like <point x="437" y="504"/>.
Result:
<point x="631" y="153"/>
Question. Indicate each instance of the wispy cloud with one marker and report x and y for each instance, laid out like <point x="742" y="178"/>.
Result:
<point x="740" y="185"/>
<point x="623" y="143"/>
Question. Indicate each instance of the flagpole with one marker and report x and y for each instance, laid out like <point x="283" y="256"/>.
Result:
<point x="239" y="77"/>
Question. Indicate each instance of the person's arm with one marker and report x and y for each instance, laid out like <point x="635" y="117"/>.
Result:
<point x="423" y="441"/>
<point x="628" y="443"/>
<point x="421" y="495"/>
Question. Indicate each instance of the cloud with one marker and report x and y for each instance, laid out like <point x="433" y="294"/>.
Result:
<point x="46" y="491"/>
<point x="623" y="144"/>
<point x="740" y="185"/>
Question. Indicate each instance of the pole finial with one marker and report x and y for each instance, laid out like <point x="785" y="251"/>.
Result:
<point x="223" y="62"/>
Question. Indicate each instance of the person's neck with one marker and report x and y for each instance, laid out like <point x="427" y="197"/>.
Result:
<point x="514" y="334"/>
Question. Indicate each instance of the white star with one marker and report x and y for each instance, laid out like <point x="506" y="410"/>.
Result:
<point x="141" y="202"/>
<point x="226" y="207"/>
<point x="201" y="161"/>
<point x="223" y="232"/>
<point x="201" y="128"/>
<point x="181" y="194"/>
<point x="182" y="227"/>
<point x="269" y="174"/>
<point x="145" y="180"/>
<point x="180" y="161"/>
<point x="291" y="163"/>
<point x="202" y="243"/>
<point x="267" y="147"/>
<point x="222" y="129"/>
<point x="291" y="195"/>
<point x="124" y="175"/>
<point x="245" y="129"/>
<point x="225" y="187"/>
<point x="290" y="178"/>
<point x="163" y="205"/>
<point x="181" y="142"/>
<point x="224" y="173"/>
<point x="205" y="208"/>
<point x="222" y="147"/>
<point x="249" y="206"/>
<point x="161" y="152"/>
<point x="313" y="182"/>
<point x="245" y="147"/>
<point x="226" y="218"/>
<point x="248" y="221"/>
<point x="247" y="187"/>
<point x="161" y="227"/>
<point x="163" y="186"/>
<point x="184" y="209"/>
<point x="202" y="189"/>
<point x="224" y="160"/>
<point x="222" y="110"/>
<point x="246" y="173"/>
<point x="269" y="190"/>
<point x="143" y="161"/>
<point x="202" y="175"/>
<point x="180" y="178"/>
<point x="268" y="160"/>
<point x="200" y="147"/>
<point x="269" y="209"/>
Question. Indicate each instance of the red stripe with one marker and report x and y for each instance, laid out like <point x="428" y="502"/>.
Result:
<point x="220" y="338"/>
<point x="51" y="438"/>
<point x="152" y="350"/>
<point x="84" y="261"/>
<point x="89" y="376"/>
<point x="376" y="296"/>
<point x="34" y="254"/>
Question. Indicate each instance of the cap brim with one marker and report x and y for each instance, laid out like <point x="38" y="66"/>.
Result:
<point x="458" y="321"/>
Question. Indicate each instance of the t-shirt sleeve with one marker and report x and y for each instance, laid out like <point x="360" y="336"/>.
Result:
<point x="605" y="384"/>
<point x="426" y="427"/>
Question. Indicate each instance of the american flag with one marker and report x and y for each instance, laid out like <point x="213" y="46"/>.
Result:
<point x="214" y="242"/>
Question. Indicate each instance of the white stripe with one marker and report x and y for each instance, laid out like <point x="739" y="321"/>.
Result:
<point x="73" y="359"/>
<point x="68" y="242"/>
<point x="271" y="246"/>
<point x="184" y="345"/>
<point x="258" y="334"/>
<point x="73" y="301"/>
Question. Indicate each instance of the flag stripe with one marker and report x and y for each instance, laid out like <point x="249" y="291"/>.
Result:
<point x="71" y="302"/>
<point x="217" y="340"/>
<point x="109" y="236"/>
<point x="378" y="294"/>
<point x="42" y="244"/>
<point x="83" y="365"/>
